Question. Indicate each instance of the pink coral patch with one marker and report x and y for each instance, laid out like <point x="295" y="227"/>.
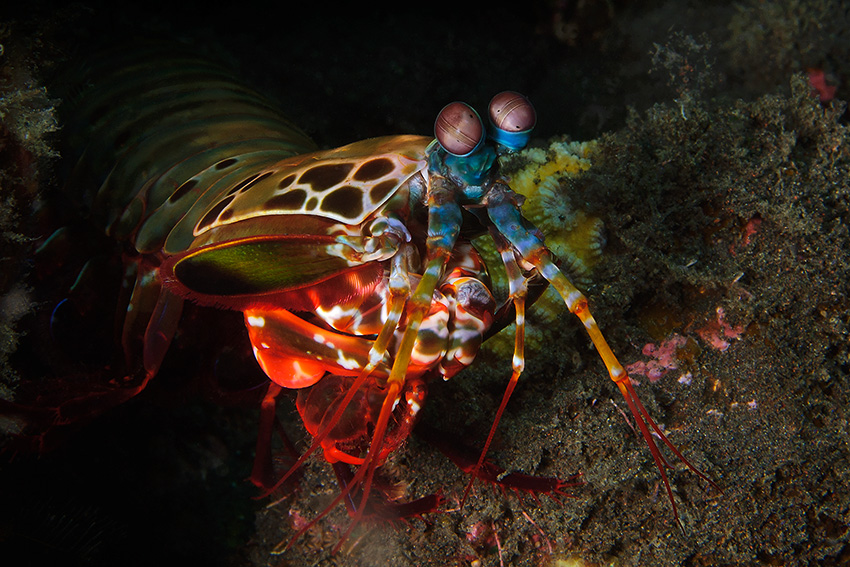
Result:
<point x="662" y="358"/>
<point x="817" y="80"/>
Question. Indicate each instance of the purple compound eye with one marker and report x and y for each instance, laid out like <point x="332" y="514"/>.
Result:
<point x="513" y="118"/>
<point x="510" y="111"/>
<point x="459" y="129"/>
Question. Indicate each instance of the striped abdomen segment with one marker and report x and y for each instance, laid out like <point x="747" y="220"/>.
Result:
<point x="165" y="135"/>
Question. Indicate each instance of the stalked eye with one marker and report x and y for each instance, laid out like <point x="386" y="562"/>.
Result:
<point x="512" y="117"/>
<point x="512" y="112"/>
<point x="459" y="129"/>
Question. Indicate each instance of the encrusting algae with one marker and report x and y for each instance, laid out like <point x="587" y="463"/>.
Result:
<point x="542" y="176"/>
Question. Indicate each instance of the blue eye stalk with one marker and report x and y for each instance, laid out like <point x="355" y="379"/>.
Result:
<point x="512" y="118"/>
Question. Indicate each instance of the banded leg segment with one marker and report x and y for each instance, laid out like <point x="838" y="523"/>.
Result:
<point x="518" y="288"/>
<point x="444" y="221"/>
<point x="504" y="213"/>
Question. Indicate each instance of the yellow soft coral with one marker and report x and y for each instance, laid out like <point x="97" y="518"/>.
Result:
<point x="576" y="238"/>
